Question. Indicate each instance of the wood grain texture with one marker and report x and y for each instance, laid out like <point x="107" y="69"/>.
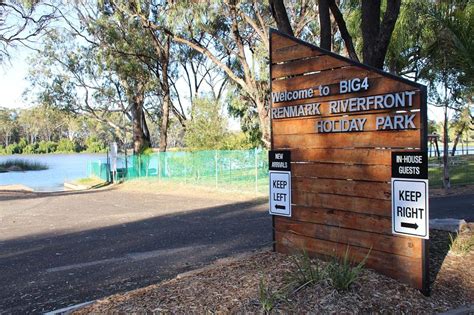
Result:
<point x="284" y="49"/>
<point x="345" y="219"/>
<point x="361" y="205"/>
<point x="367" y="139"/>
<point x="343" y="155"/>
<point x="319" y="63"/>
<point x="307" y="125"/>
<point x="403" y="246"/>
<point x="375" y="173"/>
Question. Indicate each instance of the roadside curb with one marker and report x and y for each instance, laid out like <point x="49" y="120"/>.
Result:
<point x="69" y="309"/>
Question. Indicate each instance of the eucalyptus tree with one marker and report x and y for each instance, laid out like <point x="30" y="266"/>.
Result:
<point x="21" y="22"/>
<point x="231" y="34"/>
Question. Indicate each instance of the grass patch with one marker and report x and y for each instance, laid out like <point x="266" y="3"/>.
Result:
<point x="343" y="272"/>
<point x="22" y="166"/>
<point x="90" y="182"/>
<point x="461" y="171"/>
<point x="461" y="245"/>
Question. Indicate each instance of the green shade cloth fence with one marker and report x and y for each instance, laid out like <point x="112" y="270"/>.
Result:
<point x="245" y="170"/>
<point x="229" y="169"/>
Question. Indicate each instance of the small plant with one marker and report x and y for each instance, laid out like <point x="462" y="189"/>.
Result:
<point x="343" y="273"/>
<point x="461" y="245"/>
<point x="266" y="297"/>
<point x="305" y="272"/>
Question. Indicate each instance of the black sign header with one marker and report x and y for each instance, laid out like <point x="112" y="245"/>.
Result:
<point x="279" y="160"/>
<point x="410" y="165"/>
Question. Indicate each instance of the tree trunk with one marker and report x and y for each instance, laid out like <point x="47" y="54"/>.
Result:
<point x="141" y="138"/>
<point x="341" y="24"/>
<point x="166" y="97"/>
<point x="376" y="36"/>
<point x="281" y="17"/>
<point x="264" y="122"/>
<point x="324" y="25"/>
<point x="456" y="140"/>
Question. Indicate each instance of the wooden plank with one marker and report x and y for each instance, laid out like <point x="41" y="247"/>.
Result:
<point x="284" y="49"/>
<point x="376" y="173"/>
<point x="367" y="139"/>
<point x="403" y="246"/>
<point x="353" y="156"/>
<point x="378" y="86"/>
<point x="375" y="190"/>
<point x="361" y="205"/>
<point x="296" y="67"/>
<point x="403" y="268"/>
<point x="308" y="125"/>
<point x="345" y="219"/>
<point x="325" y="78"/>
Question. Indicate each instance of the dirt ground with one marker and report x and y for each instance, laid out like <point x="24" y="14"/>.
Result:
<point x="233" y="287"/>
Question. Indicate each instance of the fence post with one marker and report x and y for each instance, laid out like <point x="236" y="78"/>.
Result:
<point x="256" y="171"/>
<point x="159" y="166"/>
<point x="215" y="164"/>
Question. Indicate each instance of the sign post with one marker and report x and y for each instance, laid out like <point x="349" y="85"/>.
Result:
<point x="280" y="183"/>
<point x="410" y="210"/>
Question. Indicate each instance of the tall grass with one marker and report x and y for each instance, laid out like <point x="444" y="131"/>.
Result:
<point x="22" y="165"/>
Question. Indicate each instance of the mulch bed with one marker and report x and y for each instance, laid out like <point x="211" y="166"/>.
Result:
<point x="233" y="287"/>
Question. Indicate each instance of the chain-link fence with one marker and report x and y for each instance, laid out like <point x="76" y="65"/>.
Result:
<point x="233" y="169"/>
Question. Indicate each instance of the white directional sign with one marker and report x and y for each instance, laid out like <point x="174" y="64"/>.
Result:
<point x="280" y="193"/>
<point x="410" y="207"/>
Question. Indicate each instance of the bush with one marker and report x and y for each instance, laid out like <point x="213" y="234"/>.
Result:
<point x="13" y="148"/>
<point x="94" y="145"/>
<point x="46" y="147"/>
<point x="30" y="148"/>
<point x="66" y="146"/>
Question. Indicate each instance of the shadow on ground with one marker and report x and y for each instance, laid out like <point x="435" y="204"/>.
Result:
<point x="44" y="272"/>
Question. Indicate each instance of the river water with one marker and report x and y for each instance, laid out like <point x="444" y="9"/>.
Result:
<point x="61" y="168"/>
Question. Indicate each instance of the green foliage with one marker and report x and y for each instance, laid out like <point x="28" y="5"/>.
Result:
<point x="30" y="148"/>
<point x="267" y="298"/>
<point x="12" y="149"/>
<point x="46" y="147"/>
<point x="207" y="129"/>
<point x="95" y="145"/>
<point x="304" y="271"/>
<point x="343" y="272"/>
<point x="66" y="146"/>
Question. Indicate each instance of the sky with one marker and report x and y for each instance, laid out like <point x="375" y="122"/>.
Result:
<point x="13" y="79"/>
<point x="13" y="83"/>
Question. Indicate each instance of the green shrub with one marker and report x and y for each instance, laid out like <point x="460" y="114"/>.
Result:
<point x="30" y="148"/>
<point x="66" y="146"/>
<point x="13" y="148"/>
<point x="343" y="272"/>
<point x="305" y="272"/>
<point x="94" y="145"/>
<point x="46" y="147"/>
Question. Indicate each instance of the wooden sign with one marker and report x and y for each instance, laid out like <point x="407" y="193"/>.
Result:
<point x="341" y="120"/>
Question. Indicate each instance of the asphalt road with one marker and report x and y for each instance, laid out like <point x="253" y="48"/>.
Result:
<point x="456" y="207"/>
<point x="61" y="250"/>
